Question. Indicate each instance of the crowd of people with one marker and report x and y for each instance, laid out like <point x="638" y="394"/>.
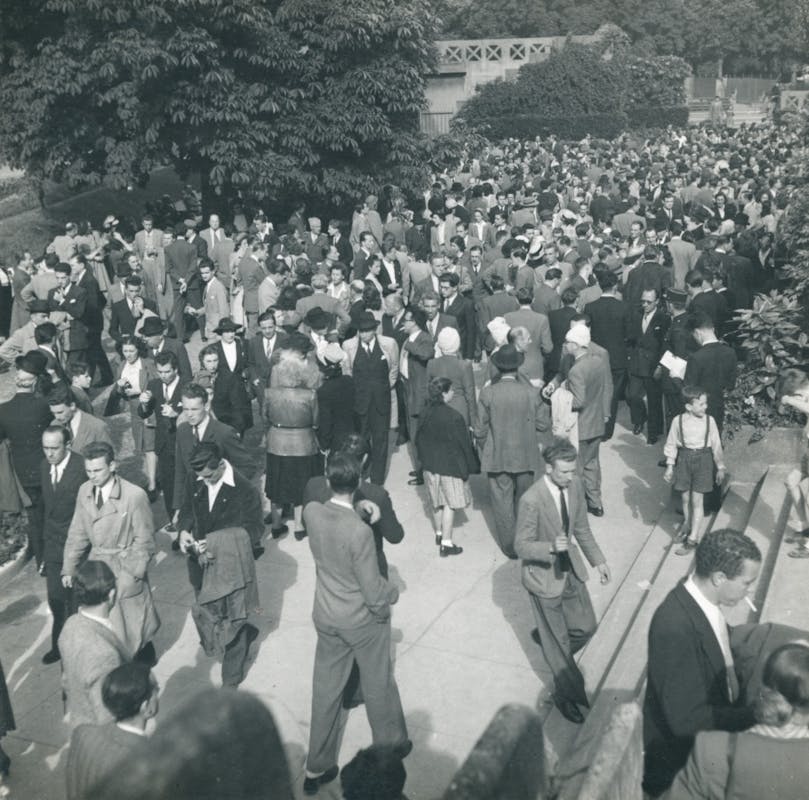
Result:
<point x="492" y="326"/>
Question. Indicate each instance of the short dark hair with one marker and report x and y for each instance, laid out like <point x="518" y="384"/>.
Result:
<point x="607" y="280"/>
<point x="354" y="444"/>
<point x="449" y="277"/>
<point x="206" y="455"/>
<point x="559" y="450"/>
<point x="193" y="391"/>
<point x="60" y="395"/>
<point x="92" y="583"/>
<point x="267" y="314"/>
<point x="525" y="295"/>
<point x="133" y="280"/>
<point x="167" y="357"/>
<point x="496" y="283"/>
<point x="376" y="772"/>
<point x="700" y="321"/>
<point x="63" y="429"/>
<point x="45" y="333"/>
<point x="77" y="368"/>
<point x="343" y="473"/>
<point x="691" y="393"/>
<point x="569" y="296"/>
<point x="418" y="315"/>
<point x="553" y="274"/>
<point x="126" y="689"/>
<point x="724" y="551"/>
<point x="694" y="278"/>
<point x="99" y="450"/>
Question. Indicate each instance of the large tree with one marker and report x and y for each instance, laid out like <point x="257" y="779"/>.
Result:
<point x="273" y="98"/>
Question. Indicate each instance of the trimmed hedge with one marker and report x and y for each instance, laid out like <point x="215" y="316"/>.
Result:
<point x="572" y="127"/>
<point x="658" y="117"/>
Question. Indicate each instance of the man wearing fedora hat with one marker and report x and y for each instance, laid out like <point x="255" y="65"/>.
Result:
<point x="23" y="418"/>
<point x="332" y="306"/>
<point x="153" y="333"/>
<point x="23" y="340"/>
<point x="373" y="361"/>
<point x="507" y="416"/>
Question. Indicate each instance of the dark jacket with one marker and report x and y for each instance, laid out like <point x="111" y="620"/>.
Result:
<point x="22" y="420"/>
<point x="444" y="443"/>
<point x="335" y="404"/>
<point x="647" y="348"/>
<point x="649" y="275"/>
<point x="559" y="321"/>
<point x="713" y="367"/>
<point x="165" y="427"/>
<point x="259" y="366"/>
<point x="241" y="358"/>
<point x="122" y="322"/>
<point x="95" y="752"/>
<point x="74" y="305"/>
<point x="178" y="348"/>
<point x="58" y="504"/>
<point x="230" y="402"/>
<point x="686" y="690"/>
<point x="464" y="312"/>
<point x="609" y="327"/>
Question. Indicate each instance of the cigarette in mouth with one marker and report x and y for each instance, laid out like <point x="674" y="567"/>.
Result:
<point x="750" y="603"/>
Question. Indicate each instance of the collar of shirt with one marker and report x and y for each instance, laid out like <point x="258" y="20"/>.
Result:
<point x="100" y="620"/>
<point x="213" y="488"/>
<point x="415" y="335"/>
<point x="228" y="346"/>
<point x="714" y="615"/>
<point x="106" y="489"/>
<point x="131" y="728"/>
<point x="202" y="427"/>
<point x="341" y="503"/>
<point x="60" y="467"/>
<point x="75" y="422"/>
<point x="554" y="490"/>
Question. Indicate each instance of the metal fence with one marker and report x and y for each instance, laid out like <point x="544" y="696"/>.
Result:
<point x="749" y="91"/>
<point x="434" y="123"/>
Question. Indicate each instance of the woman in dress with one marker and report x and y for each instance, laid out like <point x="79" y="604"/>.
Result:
<point x="448" y="459"/>
<point x="133" y="380"/>
<point x="291" y="418"/>
<point x="228" y="396"/>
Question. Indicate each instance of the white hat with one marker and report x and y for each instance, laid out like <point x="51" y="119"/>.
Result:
<point x="499" y="329"/>
<point x="448" y="341"/>
<point x="578" y="334"/>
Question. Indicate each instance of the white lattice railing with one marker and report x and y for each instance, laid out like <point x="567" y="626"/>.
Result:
<point x="463" y="52"/>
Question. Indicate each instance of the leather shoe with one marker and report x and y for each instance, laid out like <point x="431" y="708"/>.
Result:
<point x="300" y="535"/>
<point x="414" y="473"/>
<point x="662" y="463"/>
<point x="277" y="533"/>
<point x="569" y="710"/>
<point x="596" y="512"/>
<point x="417" y="481"/>
<point x="258" y="552"/>
<point x="535" y="637"/>
<point x="51" y="657"/>
<point x="638" y="429"/>
<point x="312" y="785"/>
<point x="403" y="750"/>
<point x="450" y="550"/>
<point x="652" y="439"/>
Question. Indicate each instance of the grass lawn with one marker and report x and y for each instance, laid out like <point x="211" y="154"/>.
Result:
<point x="34" y="230"/>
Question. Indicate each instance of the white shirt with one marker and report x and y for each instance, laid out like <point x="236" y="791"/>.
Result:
<point x="341" y="503"/>
<point x="57" y="470"/>
<point x="715" y="618"/>
<point x="106" y="490"/>
<point x="213" y="488"/>
<point x="131" y="728"/>
<point x="404" y="365"/>
<point x="202" y="427"/>
<point x="554" y="490"/>
<point x="131" y="373"/>
<point x="647" y="318"/>
<point x="169" y="389"/>
<point x="75" y="422"/>
<point x="229" y="349"/>
<point x="390" y="269"/>
<point x="269" y="344"/>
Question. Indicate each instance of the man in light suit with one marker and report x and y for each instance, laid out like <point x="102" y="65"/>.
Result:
<point x="315" y="242"/>
<point x="352" y="620"/>
<point x="84" y="428"/>
<point x="373" y="361"/>
<point x="149" y="240"/>
<point x="506" y="434"/>
<point x="684" y="255"/>
<point x="62" y="474"/>
<point x="551" y="515"/>
<point x="481" y="230"/>
<point x="251" y="272"/>
<point x="536" y="324"/>
<point x="215" y="304"/>
<point x="213" y="234"/>
<point x="22" y="340"/>
<point x="436" y="321"/>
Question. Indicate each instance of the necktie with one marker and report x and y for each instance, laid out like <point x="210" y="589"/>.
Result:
<point x="54" y="476"/>
<point x="99" y="498"/>
<point x="564" y="558"/>
<point x="195" y="428"/>
<point x="732" y="679"/>
<point x="268" y="348"/>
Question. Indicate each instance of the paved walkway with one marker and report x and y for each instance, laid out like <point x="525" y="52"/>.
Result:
<point x="460" y="629"/>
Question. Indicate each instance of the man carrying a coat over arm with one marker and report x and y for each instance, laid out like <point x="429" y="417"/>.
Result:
<point x="552" y="513"/>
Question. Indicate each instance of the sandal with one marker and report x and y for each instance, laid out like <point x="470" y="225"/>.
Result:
<point x="687" y="547"/>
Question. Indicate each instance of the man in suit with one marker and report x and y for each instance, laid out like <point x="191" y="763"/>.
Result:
<point x="507" y="418"/>
<point x="438" y="266"/>
<point x="148" y="241"/>
<point x="269" y="289"/>
<point x="536" y="324"/>
<point x="497" y="304"/>
<point x="482" y="230"/>
<point x="23" y="340"/>
<point x="559" y="322"/>
<point x="62" y="474"/>
<point x="130" y="694"/>
<point x="23" y="418"/>
<point x="315" y="242"/>
<point x="454" y="304"/>
<point x="163" y="398"/>
<point x="589" y="380"/>
<point x="647" y="334"/>
<point x="352" y="620"/>
<point x="69" y="301"/>
<point x="683" y="255"/>
<point x="546" y="296"/>
<point x="680" y="343"/>
<point x="336" y="238"/>
<point x="251" y="273"/>
<point x="373" y="361"/>
<point x="692" y="682"/>
<point x="215" y="304"/>
<point x="89" y="644"/>
<point x="84" y="428"/>
<point x="114" y="522"/>
<point x="221" y="517"/>
<point x="126" y="313"/>
<point x="181" y="266"/>
<point x="416" y="350"/>
<point x="212" y="235"/>
<point x="321" y="299"/>
<point x="667" y="215"/>
<point x="623" y="222"/>
<point x="368" y="246"/>
<point x="436" y="321"/>
<point x="650" y="274"/>
<point x="260" y="350"/>
<point x="609" y="328"/>
<point x="739" y="271"/>
<point x="551" y="515"/>
<point x="46" y="336"/>
<point x="153" y="333"/>
<point x="93" y="317"/>
<point x="199" y="426"/>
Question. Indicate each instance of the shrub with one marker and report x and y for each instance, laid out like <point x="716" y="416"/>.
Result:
<point x="569" y="127"/>
<point x="658" y="116"/>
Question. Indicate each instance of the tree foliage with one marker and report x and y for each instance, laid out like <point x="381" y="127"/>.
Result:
<point x="267" y="97"/>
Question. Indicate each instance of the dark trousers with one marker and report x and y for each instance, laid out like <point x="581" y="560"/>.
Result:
<point x="590" y="470"/>
<point x="337" y="649"/>
<point x="96" y="357"/>
<point x="235" y="657"/>
<point x="374" y="425"/>
<point x="36" y="521"/>
<point x="178" y="314"/>
<point x="638" y="388"/>
<point x="401" y="402"/>
<point x="565" y="624"/>
<point x="165" y="475"/>
<point x="620" y="378"/>
<point x="60" y="600"/>
<point x="506" y="489"/>
<point x="672" y="406"/>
